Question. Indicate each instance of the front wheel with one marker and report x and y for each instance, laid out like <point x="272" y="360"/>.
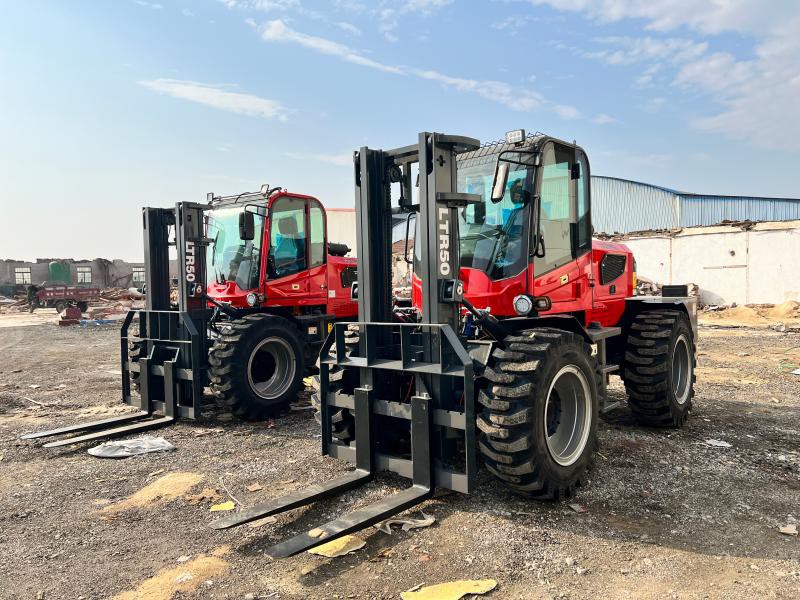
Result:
<point x="256" y="365"/>
<point x="539" y="421"/>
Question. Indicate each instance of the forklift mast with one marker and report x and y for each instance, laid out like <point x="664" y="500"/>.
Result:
<point x="419" y="375"/>
<point x="172" y="365"/>
<point x="175" y="340"/>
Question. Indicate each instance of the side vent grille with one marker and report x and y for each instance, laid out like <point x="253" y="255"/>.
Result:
<point x="349" y="275"/>
<point x="611" y="267"/>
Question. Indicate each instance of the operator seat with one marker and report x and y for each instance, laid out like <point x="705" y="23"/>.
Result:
<point x="290" y="250"/>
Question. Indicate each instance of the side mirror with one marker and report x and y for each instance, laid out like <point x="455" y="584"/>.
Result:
<point x="500" y="181"/>
<point x="247" y="225"/>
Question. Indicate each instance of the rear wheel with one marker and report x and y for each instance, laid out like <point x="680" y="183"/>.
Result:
<point x="659" y="368"/>
<point x="343" y="425"/>
<point x="83" y="306"/>
<point x="256" y="365"/>
<point x="60" y="306"/>
<point x="539" y="421"/>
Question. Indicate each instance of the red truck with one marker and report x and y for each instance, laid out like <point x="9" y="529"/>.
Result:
<point x="60" y="296"/>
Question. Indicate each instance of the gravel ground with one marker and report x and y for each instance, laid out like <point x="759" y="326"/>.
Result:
<point x="666" y="515"/>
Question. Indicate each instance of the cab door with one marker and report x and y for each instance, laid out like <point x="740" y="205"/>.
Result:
<point x="318" y="251"/>
<point x="288" y="258"/>
<point x="561" y="263"/>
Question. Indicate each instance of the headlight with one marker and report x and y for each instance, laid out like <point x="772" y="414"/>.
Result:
<point x="252" y="299"/>
<point x="523" y="305"/>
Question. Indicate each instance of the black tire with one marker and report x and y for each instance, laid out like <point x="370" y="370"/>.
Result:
<point x="60" y="306"/>
<point x="343" y="424"/>
<point x="256" y="366"/>
<point x="659" y="368"/>
<point x="522" y="438"/>
<point x="83" y="306"/>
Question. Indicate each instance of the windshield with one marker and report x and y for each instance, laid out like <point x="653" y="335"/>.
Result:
<point x="228" y="257"/>
<point x="493" y="235"/>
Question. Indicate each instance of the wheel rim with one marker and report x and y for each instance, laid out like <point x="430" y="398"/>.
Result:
<point x="681" y="370"/>
<point x="568" y="415"/>
<point x="271" y="368"/>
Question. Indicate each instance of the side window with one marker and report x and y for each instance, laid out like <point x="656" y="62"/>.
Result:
<point x="584" y="217"/>
<point x="316" y="221"/>
<point x="287" y="238"/>
<point x="557" y="208"/>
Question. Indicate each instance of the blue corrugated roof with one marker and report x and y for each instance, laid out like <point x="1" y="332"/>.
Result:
<point x="622" y="205"/>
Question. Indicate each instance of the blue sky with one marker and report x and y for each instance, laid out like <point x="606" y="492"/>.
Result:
<point x="107" y="106"/>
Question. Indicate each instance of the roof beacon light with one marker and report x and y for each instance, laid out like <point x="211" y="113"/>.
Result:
<point x="515" y="137"/>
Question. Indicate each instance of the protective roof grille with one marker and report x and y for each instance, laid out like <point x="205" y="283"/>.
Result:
<point x="491" y="149"/>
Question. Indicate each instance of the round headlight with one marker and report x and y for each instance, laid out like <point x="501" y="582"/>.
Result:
<point x="252" y="299"/>
<point x="523" y="305"/>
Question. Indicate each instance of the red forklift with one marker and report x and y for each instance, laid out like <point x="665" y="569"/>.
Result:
<point x="521" y="319"/>
<point x="259" y="288"/>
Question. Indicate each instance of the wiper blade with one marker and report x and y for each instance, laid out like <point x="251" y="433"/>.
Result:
<point x="214" y="251"/>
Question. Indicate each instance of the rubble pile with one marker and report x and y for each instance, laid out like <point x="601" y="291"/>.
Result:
<point x="112" y="303"/>
<point x="18" y="303"/>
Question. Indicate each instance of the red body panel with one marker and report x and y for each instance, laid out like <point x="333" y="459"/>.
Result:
<point x="318" y="286"/>
<point x="340" y="302"/>
<point x="608" y="308"/>
<point x="573" y="288"/>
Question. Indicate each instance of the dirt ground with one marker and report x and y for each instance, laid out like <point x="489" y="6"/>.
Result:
<point x="666" y="514"/>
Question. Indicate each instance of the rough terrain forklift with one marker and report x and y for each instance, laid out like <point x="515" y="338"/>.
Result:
<point x="259" y="287"/>
<point x="522" y="317"/>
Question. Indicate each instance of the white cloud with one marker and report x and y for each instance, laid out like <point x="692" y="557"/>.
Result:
<point x="514" y="24"/>
<point x="710" y="16"/>
<point x="278" y="31"/>
<point x="339" y="160"/>
<point x="645" y="80"/>
<point x="566" y="112"/>
<point x="758" y="97"/>
<point x="719" y="72"/>
<point x="630" y="50"/>
<point x="263" y="5"/>
<point x="603" y="119"/>
<point x="218" y="97"/>
<point x="514" y="97"/>
<point x="423" y="6"/>
<point x="389" y="13"/>
<point x="187" y="13"/>
<point x="348" y="27"/>
<point x="520" y="99"/>
<point x="653" y="106"/>
<point x="153" y="5"/>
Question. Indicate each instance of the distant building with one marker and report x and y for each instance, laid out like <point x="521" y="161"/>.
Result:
<point x="623" y="206"/>
<point x="16" y="275"/>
